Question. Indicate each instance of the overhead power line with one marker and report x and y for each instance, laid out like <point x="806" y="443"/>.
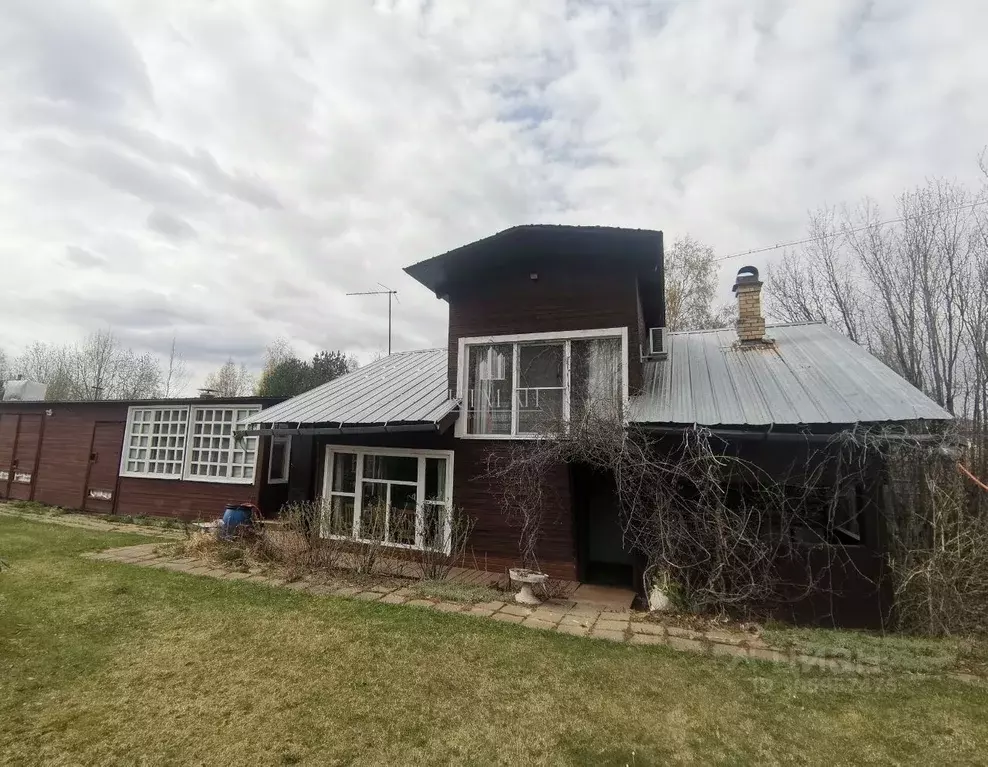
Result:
<point x="848" y="231"/>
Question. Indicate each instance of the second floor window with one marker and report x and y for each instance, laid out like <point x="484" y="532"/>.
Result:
<point x="543" y="385"/>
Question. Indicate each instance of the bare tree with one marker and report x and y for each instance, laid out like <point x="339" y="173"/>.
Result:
<point x="6" y="369"/>
<point x="819" y="282"/>
<point x="50" y="364"/>
<point x="913" y="291"/>
<point x="691" y="284"/>
<point x="231" y="380"/>
<point x="176" y="375"/>
<point x="103" y="369"/>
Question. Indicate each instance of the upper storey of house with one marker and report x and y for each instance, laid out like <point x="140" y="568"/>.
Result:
<point x="543" y="317"/>
<point x="551" y="279"/>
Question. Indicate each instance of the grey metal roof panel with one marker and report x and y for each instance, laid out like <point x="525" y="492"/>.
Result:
<point x="406" y="387"/>
<point x="811" y="375"/>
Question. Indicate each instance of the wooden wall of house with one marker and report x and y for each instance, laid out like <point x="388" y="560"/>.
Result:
<point x="182" y="499"/>
<point x="271" y="497"/>
<point x="75" y="447"/>
<point x="562" y="298"/>
<point x="62" y="449"/>
<point x="494" y="541"/>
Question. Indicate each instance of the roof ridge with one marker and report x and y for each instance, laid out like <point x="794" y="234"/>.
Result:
<point x="772" y="325"/>
<point x="416" y="351"/>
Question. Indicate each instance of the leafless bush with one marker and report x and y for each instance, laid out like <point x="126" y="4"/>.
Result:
<point x="295" y="542"/>
<point x="433" y="562"/>
<point x="367" y="548"/>
<point x="938" y="542"/>
<point x="714" y="528"/>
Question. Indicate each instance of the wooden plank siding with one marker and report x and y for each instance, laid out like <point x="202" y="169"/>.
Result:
<point x="8" y="441"/>
<point x="560" y="299"/>
<point x="64" y="463"/>
<point x="494" y="542"/>
<point x="104" y="466"/>
<point x="26" y="451"/>
<point x="183" y="499"/>
<point x="56" y="446"/>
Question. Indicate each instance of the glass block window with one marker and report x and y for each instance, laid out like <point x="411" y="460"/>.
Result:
<point x="215" y="454"/>
<point x="155" y="445"/>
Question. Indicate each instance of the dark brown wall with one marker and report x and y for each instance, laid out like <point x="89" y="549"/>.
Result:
<point x="495" y="539"/>
<point x="494" y="542"/>
<point x="177" y="498"/>
<point x="63" y="466"/>
<point x="65" y="446"/>
<point x="560" y="299"/>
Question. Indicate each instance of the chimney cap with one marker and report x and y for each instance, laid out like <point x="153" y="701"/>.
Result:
<point x="747" y="275"/>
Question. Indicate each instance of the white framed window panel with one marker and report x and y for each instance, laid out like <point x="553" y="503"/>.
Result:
<point x="346" y="483"/>
<point x="155" y="442"/>
<point x="214" y="453"/>
<point x="194" y="443"/>
<point x="517" y="341"/>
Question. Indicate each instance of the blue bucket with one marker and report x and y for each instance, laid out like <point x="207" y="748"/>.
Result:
<point x="234" y="517"/>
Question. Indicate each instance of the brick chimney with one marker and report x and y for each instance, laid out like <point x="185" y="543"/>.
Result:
<point x="751" y="323"/>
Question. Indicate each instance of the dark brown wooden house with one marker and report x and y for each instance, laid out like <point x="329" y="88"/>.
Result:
<point x="540" y="317"/>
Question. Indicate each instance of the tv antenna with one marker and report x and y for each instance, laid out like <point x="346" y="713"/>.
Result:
<point x="386" y="292"/>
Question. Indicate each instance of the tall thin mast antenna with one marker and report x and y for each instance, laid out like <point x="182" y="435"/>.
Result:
<point x="386" y="292"/>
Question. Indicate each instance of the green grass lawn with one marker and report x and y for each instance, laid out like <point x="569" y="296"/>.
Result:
<point x="104" y="663"/>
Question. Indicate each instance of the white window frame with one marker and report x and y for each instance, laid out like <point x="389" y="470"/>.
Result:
<point x="462" y="372"/>
<point x="357" y="494"/>
<point x="190" y="445"/>
<point x="286" y="462"/>
<point x="186" y="459"/>
<point x="128" y="435"/>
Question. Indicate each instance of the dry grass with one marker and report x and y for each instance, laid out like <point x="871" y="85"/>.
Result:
<point x="103" y="663"/>
<point x="459" y="592"/>
<point x="894" y="651"/>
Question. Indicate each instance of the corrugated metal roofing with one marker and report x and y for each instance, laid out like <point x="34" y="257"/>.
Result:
<point x="811" y="375"/>
<point x="406" y="387"/>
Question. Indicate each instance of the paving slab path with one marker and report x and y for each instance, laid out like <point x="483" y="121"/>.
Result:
<point x="565" y="616"/>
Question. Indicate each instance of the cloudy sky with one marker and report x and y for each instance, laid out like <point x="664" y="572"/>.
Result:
<point x="224" y="172"/>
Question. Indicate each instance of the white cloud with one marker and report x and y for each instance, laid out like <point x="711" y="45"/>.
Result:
<point x="226" y="172"/>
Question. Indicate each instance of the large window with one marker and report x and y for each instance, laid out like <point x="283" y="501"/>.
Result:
<point x="197" y="443"/>
<point x="538" y="384"/>
<point x="216" y="454"/>
<point x="399" y="497"/>
<point x="156" y="442"/>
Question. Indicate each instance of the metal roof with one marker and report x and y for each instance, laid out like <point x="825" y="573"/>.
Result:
<point x="811" y="375"/>
<point x="406" y="387"/>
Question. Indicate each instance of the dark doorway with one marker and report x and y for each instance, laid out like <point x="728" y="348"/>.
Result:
<point x="601" y="557"/>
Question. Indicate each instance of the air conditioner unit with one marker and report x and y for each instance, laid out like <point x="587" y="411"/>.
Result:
<point x="656" y="342"/>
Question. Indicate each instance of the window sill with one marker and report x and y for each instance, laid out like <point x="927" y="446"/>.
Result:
<point x="219" y="480"/>
<point x="405" y="546"/>
<point x="137" y="475"/>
